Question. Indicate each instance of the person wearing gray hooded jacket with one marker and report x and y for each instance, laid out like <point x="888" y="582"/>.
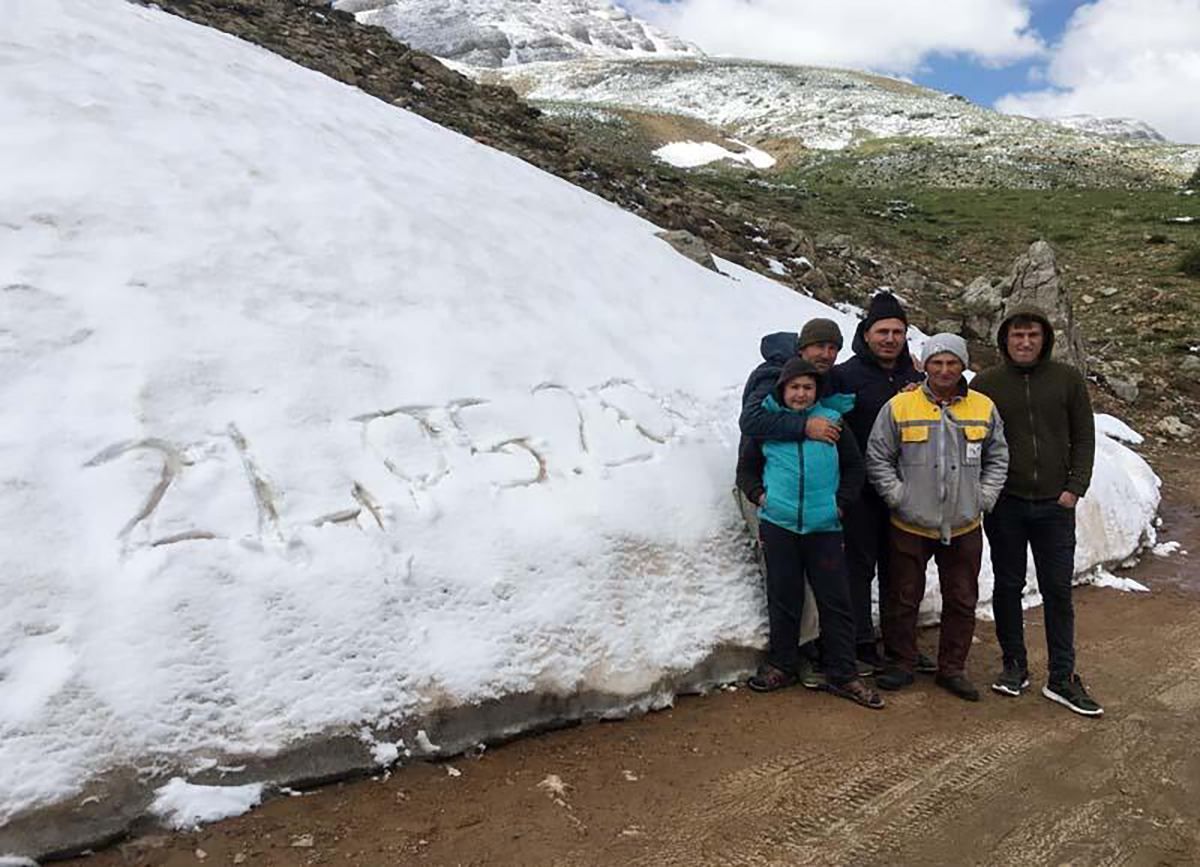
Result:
<point x="938" y="458"/>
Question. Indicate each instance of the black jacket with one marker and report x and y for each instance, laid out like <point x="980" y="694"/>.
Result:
<point x="760" y="423"/>
<point x="871" y="385"/>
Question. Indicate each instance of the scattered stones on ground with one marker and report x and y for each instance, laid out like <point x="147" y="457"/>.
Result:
<point x="1173" y="426"/>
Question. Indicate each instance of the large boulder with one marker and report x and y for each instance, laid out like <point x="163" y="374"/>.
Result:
<point x="1034" y="279"/>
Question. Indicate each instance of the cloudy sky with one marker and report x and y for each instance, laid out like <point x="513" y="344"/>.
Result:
<point x="1112" y="58"/>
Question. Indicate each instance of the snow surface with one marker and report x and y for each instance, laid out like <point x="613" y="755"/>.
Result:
<point x="321" y="417"/>
<point x="181" y="805"/>
<point x="1113" y="427"/>
<point x="690" y="154"/>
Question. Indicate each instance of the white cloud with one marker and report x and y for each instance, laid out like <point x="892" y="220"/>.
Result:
<point x="1125" y="58"/>
<point x="894" y="37"/>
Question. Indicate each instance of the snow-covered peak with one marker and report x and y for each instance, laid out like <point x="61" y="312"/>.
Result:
<point x="496" y="33"/>
<point x="1111" y="127"/>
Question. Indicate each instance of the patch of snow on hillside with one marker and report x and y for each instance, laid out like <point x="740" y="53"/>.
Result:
<point x="690" y="154"/>
<point x="1111" y="127"/>
<point x="182" y="805"/>
<point x="321" y="416"/>
<point x="1111" y="426"/>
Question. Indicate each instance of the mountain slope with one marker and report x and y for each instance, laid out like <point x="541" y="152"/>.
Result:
<point x="505" y="32"/>
<point x="884" y="129"/>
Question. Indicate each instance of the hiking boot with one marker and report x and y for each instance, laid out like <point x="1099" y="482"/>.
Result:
<point x="769" y="678"/>
<point x="894" y="678"/>
<point x="858" y="692"/>
<point x="1071" y="694"/>
<point x="1013" y="680"/>
<point x="959" y="685"/>
<point x="810" y="676"/>
<point x="925" y="665"/>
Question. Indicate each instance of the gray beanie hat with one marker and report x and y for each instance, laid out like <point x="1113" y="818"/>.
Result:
<point x="946" y="342"/>
<point x="820" y="330"/>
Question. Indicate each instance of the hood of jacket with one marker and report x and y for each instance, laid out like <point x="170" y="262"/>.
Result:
<point x="1038" y="315"/>
<point x="777" y="348"/>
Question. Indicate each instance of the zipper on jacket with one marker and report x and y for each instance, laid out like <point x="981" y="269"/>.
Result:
<point x="1032" y="433"/>
<point x="800" y="484"/>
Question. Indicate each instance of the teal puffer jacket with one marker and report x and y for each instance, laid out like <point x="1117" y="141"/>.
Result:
<point x="802" y="478"/>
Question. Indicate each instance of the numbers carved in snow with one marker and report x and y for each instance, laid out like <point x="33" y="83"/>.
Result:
<point x="550" y="434"/>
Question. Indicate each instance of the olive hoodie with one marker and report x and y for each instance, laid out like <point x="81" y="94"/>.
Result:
<point x="1047" y="416"/>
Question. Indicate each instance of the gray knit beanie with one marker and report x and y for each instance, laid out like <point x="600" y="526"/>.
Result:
<point x="946" y="342"/>
<point x="820" y="331"/>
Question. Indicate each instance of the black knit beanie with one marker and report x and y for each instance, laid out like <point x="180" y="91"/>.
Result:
<point x="797" y="367"/>
<point x="820" y="331"/>
<point x="884" y="306"/>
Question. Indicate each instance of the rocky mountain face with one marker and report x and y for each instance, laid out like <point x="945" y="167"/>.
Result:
<point x="495" y="33"/>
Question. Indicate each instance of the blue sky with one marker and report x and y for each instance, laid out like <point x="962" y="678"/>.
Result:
<point x="1043" y="58"/>
<point x="984" y="84"/>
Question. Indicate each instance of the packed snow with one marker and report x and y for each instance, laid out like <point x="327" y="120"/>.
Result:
<point x="181" y="805"/>
<point x="321" y="417"/>
<point x="690" y="154"/>
<point x="1113" y="427"/>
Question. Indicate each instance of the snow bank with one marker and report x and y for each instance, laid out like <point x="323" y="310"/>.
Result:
<point x="319" y="416"/>
<point x="690" y="154"/>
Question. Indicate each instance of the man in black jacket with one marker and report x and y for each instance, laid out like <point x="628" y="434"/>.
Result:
<point x="881" y="367"/>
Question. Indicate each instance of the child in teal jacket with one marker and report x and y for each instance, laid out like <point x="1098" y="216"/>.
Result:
<point x="801" y="491"/>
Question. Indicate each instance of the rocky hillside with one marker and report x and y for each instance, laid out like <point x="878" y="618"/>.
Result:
<point x="506" y="32"/>
<point x="867" y="129"/>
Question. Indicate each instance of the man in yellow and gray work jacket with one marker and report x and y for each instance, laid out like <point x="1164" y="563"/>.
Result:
<point x="938" y="458"/>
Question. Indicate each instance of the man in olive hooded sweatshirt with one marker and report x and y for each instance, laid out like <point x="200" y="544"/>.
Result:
<point x="1051" y="436"/>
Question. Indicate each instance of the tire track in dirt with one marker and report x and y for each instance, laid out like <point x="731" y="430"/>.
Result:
<point x="829" y="808"/>
<point x="1094" y="819"/>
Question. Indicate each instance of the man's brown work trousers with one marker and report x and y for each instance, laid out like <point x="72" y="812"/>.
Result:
<point x="958" y="576"/>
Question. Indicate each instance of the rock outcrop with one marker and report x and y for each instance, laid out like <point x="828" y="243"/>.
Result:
<point x="1034" y="279"/>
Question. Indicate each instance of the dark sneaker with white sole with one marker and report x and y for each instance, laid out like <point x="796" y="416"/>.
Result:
<point x="1071" y="695"/>
<point x="1012" y="681"/>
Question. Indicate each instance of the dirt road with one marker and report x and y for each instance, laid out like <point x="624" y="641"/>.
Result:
<point x="799" y="777"/>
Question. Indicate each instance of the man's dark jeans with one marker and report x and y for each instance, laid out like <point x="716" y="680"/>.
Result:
<point x="1015" y="526"/>
<point x="819" y="557"/>
<point x="866" y="527"/>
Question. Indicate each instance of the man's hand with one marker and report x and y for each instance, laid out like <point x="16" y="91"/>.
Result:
<point x="762" y="499"/>
<point x="822" y="430"/>
<point x="1067" y="500"/>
